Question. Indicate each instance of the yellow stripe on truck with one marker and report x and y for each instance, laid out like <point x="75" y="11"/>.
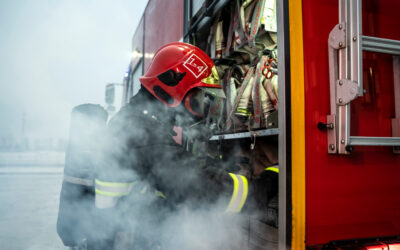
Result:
<point x="298" y="123"/>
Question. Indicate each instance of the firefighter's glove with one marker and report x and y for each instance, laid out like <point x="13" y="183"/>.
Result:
<point x="263" y="197"/>
<point x="265" y="188"/>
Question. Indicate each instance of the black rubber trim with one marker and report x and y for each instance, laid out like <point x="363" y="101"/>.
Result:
<point x="288" y="131"/>
<point x="171" y="78"/>
<point x="163" y="95"/>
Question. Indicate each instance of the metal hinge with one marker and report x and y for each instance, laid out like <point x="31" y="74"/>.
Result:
<point x="346" y="91"/>
<point x="337" y="36"/>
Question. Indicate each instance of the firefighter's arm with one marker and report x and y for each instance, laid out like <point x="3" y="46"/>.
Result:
<point x="259" y="190"/>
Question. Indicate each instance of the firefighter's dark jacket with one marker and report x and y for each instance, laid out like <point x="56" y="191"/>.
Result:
<point x="140" y="149"/>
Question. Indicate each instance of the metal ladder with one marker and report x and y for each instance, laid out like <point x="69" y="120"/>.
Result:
<point x="345" y="46"/>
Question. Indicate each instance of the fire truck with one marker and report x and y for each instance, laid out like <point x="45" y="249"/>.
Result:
<point x="113" y="97"/>
<point x="338" y="124"/>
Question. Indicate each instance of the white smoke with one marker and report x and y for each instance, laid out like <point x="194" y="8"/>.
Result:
<point x="145" y="221"/>
<point x="56" y="55"/>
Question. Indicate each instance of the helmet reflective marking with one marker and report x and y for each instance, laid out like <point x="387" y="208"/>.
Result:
<point x="195" y="65"/>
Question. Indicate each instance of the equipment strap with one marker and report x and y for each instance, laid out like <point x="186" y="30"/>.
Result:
<point x="267" y="107"/>
<point x="239" y="195"/>
<point x="240" y="25"/>
<point x="228" y="88"/>
<point x="256" y="21"/>
<point x="269" y="88"/>
<point x="211" y="35"/>
<point x="247" y="7"/>
<point x="78" y="181"/>
<point x="246" y="81"/>
<point x="257" y="121"/>
<point x="232" y="26"/>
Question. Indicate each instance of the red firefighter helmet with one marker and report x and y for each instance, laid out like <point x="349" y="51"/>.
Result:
<point x="177" y="68"/>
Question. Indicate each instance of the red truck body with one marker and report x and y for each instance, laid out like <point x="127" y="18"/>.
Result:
<point x="355" y="195"/>
<point x="343" y="196"/>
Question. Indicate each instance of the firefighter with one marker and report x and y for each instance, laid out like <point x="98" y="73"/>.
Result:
<point x="74" y="223"/>
<point x="146" y="175"/>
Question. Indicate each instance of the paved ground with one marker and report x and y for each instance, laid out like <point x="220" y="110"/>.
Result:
<point x="29" y="197"/>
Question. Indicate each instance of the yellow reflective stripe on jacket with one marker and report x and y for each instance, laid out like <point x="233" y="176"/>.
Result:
<point x="156" y="193"/>
<point x="113" y="189"/>
<point x="160" y="194"/>
<point x="113" y="184"/>
<point x="112" y="194"/>
<point x="273" y="169"/>
<point x="239" y="195"/>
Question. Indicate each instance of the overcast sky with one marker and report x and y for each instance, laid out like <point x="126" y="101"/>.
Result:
<point x="56" y="54"/>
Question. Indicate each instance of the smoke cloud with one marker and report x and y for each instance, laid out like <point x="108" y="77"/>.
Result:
<point x="192" y="213"/>
<point x="56" y="55"/>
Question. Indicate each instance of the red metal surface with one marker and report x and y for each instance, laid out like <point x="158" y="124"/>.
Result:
<point x="163" y="24"/>
<point x="379" y="247"/>
<point x="357" y="195"/>
<point x="184" y="59"/>
<point x="137" y="42"/>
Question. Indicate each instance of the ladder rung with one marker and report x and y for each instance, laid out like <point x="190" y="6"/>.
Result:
<point x="381" y="45"/>
<point x="374" y="141"/>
